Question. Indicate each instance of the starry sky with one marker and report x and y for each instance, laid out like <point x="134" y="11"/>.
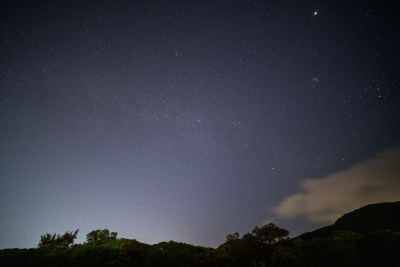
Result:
<point x="190" y="120"/>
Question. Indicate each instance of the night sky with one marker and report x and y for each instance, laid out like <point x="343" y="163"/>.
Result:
<point x="190" y="120"/>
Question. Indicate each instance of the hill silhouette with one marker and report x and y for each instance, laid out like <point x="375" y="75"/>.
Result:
<point x="369" y="236"/>
<point x="370" y="218"/>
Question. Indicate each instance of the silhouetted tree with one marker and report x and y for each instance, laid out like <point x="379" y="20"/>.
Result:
<point x="233" y="236"/>
<point x="255" y="248"/>
<point x="100" y="236"/>
<point x="55" y="242"/>
<point x="270" y="234"/>
<point x="234" y="252"/>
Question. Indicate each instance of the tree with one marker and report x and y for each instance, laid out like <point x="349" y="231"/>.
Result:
<point x="233" y="236"/>
<point x="100" y="236"/>
<point x="234" y="252"/>
<point x="55" y="242"/>
<point x="270" y="234"/>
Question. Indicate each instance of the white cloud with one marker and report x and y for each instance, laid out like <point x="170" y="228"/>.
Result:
<point x="326" y="199"/>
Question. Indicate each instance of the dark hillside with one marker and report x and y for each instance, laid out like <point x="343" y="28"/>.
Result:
<point x="369" y="236"/>
<point x="370" y="218"/>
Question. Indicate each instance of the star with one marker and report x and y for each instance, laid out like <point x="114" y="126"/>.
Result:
<point x="161" y="110"/>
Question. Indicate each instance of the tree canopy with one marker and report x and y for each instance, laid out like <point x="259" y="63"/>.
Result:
<point x="268" y="245"/>
<point x="270" y="234"/>
<point x="101" y="236"/>
<point x="53" y="241"/>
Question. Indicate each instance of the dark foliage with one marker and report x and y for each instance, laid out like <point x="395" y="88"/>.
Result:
<point x="101" y="236"/>
<point x="265" y="246"/>
<point x="380" y="248"/>
<point x="54" y="242"/>
<point x="255" y="248"/>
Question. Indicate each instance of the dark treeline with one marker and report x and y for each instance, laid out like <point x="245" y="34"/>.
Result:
<point x="365" y="237"/>
<point x="265" y="246"/>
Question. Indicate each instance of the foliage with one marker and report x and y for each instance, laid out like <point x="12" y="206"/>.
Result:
<point x="233" y="236"/>
<point x="284" y="256"/>
<point x="270" y="234"/>
<point x="255" y="248"/>
<point x="344" y="248"/>
<point x="268" y="245"/>
<point x="101" y="236"/>
<point x="53" y="242"/>
<point x="380" y="247"/>
<point x="235" y="252"/>
<point x="178" y="254"/>
<point x="339" y="250"/>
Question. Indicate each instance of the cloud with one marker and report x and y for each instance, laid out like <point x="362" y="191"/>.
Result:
<point x="325" y="200"/>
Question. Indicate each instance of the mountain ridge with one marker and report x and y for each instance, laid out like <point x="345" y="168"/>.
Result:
<point x="369" y="218"/>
